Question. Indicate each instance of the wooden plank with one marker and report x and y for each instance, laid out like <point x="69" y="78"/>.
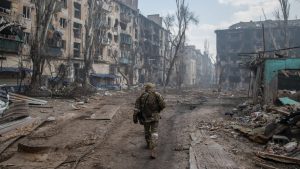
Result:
<point x="265" y="166"/>
<point x="281" y="111"/>
<point x="107" y="112"/>
<point x="17" y="97"/>
<point x="210" y="154"/>
<point x="278" y="158"/>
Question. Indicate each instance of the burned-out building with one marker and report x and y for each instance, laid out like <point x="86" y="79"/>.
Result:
<point x="15" y="25"/>
<point x="152" y="44"/>
<point x="245" y="38"/>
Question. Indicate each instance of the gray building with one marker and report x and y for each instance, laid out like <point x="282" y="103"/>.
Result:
<point x="250" y="38"/>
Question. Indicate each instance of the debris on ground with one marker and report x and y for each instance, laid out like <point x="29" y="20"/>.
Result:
<point x="276" y="126"/>
<point x="13" y="97"/>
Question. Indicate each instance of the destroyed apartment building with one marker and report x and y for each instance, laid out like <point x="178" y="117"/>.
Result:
<point x="243" y="39"/>
<point x="129" y="49"/>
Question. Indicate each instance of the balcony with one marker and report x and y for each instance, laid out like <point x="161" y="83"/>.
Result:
<point x="125" y="18"/>
<point x="9" y="17"/>
<point x="10" y="46"/>
<point x="106" y="41"/>
<point x="53" y="51"/>
<point x="125" y="61"/>
<point x="126" y="39"/>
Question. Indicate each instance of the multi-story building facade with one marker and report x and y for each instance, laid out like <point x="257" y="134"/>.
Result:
<point x="196" y="68"/>
<point x="250" y="37"/>
<point x="133" y="46"/>
<point x="15" y="29"/>
<point x="152" y="41"/>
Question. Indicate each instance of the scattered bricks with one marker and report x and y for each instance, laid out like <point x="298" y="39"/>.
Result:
<point x="280" y="139"/>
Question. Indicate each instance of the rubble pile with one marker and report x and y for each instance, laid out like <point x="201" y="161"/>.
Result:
<point x="276" y="126"/>
<point x="73" y="90"/>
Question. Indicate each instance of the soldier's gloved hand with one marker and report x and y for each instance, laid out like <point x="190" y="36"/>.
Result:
<point x="135" y="119"/>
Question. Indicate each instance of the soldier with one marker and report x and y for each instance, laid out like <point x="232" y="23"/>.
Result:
<point x="147" y="111"/>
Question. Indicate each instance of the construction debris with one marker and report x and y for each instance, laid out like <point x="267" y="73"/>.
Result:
<point x="278" y="158"/>
<point x="17" y="98"/>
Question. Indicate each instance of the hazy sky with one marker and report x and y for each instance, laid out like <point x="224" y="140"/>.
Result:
<point x="217" y="14"/>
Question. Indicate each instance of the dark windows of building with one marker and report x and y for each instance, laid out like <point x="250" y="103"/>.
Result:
<point x="65" y="3"/>
<point x="63" y="44"/>
<point x="109" y="52"/>
<point x="26" y="12"/>
<point x="76" y="70"/>
<point x="112" y="69"/>
<point x="109" y="35"/>
<point x="26" y="38"/>
<point x="116" y="38"/>
<point x="76" y="50"/>
<point x="101" y="53"/>
<point x="63" y="22"/>
<point x="77" y="30"/>
<point x="136" y="33"/>
<point x="5" y="4"/>
<point x="235" y="35"/>
<point x="123" y="26"/>
<point x="109" y="21"/>
<point x="116" y="23"/>
<point x="77" y="10"/>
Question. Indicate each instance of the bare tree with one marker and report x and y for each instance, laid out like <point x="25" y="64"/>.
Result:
<point x="118" y="67"/>
<point x="283" y="13"/>
<point x="184" y="17"/>
<point x="168" y="23"/>
<point x="95" y="34"/>
<point x="45" y="10"/>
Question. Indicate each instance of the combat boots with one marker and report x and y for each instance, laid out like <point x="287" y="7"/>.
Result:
<point x="154" y="153"/>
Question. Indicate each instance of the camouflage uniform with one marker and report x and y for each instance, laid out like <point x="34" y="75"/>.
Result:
<point x="149" y="105"/>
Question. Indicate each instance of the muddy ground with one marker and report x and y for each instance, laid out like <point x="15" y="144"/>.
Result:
<point x="73" y="141"/>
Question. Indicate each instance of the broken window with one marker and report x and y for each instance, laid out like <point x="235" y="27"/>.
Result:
<point x="76" y="70"/>
<point x="116" y="23"/>
<point x="116" y="38"/>
<point x="109" y="52"/>
<point x="77" y="9"/>
<point x="63" y="44"/>
<point x="136" y="33"/>
<point x="76" y="50"/>
<point x="109" y="21"/>
<point x="65" y="3"/>
<point x="63" y="22"/>
<point x="109" y="35"/>
<point x="26" y="38"/>
<point x="4" y="5"/>
<point x="26" y="12"/>
<point x="77" y="30"/>
<point x="123" y="26"/>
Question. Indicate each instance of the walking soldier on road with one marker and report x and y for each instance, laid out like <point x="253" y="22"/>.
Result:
<point x="147" y="112"/>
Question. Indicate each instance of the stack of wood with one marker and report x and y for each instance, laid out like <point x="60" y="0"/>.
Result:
<point x="19" y="98"/>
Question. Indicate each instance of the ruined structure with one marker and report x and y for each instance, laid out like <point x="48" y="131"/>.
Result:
<point x="246" y="38"/>
<point x="152" y="39"/>
<point x="194" y="68"/>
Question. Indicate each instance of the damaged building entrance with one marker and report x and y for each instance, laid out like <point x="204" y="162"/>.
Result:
<point x="274" y="81"/>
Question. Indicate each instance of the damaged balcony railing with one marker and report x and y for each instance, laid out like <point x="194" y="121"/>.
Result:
<point x="9" y="17"/>
<point x="9" y="45"/>
<point x="125" y="18"/>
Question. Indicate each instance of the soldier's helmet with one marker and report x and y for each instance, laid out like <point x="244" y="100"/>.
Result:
<point x="149" y="86"/>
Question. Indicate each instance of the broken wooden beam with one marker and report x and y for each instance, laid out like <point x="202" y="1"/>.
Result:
<point x="265" y="166"/>
<point x="278" y="158"/>
<point x="281" y="111"/>
<point x="16" y="98"/>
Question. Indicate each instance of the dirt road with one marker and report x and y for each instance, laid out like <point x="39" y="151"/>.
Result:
<point x="124" y="146"/>
<point x="120" y="144"/>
